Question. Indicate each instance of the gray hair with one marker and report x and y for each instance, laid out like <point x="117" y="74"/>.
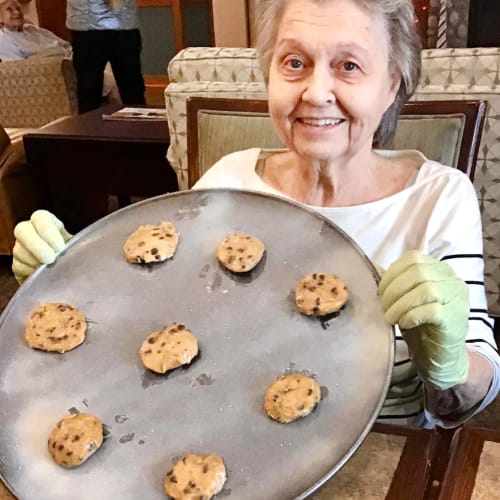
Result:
<point x="404" y="49"/>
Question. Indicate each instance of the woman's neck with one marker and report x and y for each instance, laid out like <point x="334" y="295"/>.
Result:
<point x="357" y="180"/>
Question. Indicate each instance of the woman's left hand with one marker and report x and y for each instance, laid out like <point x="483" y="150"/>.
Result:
<point x="431" y="306"/>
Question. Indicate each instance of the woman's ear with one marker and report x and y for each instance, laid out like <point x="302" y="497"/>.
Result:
<point x="395" y="81"/>
<point x="394" y="84"/>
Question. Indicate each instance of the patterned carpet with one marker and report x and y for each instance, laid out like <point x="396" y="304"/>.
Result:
<point x="489" y="418"/>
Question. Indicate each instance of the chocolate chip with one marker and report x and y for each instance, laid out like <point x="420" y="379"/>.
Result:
<point x="154" y="251"/>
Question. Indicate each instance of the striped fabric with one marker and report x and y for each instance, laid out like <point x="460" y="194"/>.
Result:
<point x="441" y="41"/>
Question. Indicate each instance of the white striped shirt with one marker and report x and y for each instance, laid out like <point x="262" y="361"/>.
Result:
<point x="438" y="214"/>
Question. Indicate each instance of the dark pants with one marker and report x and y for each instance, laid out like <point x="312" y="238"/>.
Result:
<point x="92" y="50"/>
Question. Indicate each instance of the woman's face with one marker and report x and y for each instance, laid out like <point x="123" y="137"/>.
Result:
<point x="330" y="80"/>
<point x="11" y="15"/>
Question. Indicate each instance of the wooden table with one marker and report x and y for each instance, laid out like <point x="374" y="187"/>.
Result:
<point x="80" y="160"/>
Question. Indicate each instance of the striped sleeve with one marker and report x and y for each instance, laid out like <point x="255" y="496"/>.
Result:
<point x="458" y="241"/>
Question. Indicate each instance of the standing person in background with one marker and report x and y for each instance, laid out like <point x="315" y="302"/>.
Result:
<point x="105" y="31"/>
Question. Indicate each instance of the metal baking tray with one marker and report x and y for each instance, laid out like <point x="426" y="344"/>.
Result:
<point x="249" y="332"/>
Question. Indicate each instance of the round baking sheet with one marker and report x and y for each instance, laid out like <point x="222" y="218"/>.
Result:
<point x="249" y="332"/>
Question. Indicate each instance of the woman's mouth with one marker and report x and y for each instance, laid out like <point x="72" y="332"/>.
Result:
<point x="320" y="122"/>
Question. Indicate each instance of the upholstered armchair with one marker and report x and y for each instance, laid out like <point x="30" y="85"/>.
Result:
<point x="36" y="91"/>
<point x="209" y="72"/>
<point x="17" y="190"/>
<point x="464" y="74"/>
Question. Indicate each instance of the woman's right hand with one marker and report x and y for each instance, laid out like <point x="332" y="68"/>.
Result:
<point x="38" y="241"/>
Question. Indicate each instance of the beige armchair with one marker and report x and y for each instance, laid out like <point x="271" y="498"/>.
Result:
<point x="444" y="131"/>
<point x="17" y="190"/>
<point x="36" y="91"/>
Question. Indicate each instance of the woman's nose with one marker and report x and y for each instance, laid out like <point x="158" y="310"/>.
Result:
<point x="319" y="89"/>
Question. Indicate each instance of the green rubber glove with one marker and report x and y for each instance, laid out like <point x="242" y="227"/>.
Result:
<point x="431" y="306"/>
<point x="38" y="242"/>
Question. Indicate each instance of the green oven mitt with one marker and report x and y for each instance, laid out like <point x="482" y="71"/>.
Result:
<point x="431" y="306"/>
<point x="37" y="242"/>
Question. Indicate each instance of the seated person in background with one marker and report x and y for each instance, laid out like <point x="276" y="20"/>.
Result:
<point x="338" y="73"/>
<point x="22" y="40"/>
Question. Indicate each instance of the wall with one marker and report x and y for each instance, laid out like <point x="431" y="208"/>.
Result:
<point x="29" y="12"/>
<point x="230" y="23"/>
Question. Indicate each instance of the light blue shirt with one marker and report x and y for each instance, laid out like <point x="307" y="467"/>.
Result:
<point x="30" y="42"/>
<point x="86" y="15"/>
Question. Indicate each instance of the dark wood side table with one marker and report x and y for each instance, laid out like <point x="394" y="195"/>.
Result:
<point x="80" y="160"/>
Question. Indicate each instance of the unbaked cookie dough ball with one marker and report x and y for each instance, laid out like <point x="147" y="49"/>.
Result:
<point x="195" y="477"/>
<point x="240" y="253"/>
<point x="169" y="348"/>
<point x="320" y="294"/>
<point x="75" y="439"/>
<point x="291" y="397"/>
<point x="151" y="243"/>
<point x="55" y="327"/>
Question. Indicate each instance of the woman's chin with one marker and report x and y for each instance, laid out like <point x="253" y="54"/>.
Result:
<point x="323" y="154"/>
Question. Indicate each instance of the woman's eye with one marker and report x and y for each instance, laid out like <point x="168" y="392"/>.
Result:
<point x="350" y="66"/>
<point x="294" y="63"/>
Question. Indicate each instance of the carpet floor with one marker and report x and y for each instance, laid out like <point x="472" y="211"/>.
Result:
<point x="488" y="418"/>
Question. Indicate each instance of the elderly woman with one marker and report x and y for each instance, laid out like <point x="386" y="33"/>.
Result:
<point x="338" y="72"/>
<point x="21" y="40"/>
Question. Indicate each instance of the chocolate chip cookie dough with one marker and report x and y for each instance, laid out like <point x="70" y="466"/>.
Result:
<point x="195" y="476"/>
<point x="169" y="348"/>
<point x="291" y="397"/>
<point x="151" y="243"/>
<point x="320" y="293"/>
<point x="240" y="253"/>
<point x="75" y="439"/>
<point x="55" y="327"/>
